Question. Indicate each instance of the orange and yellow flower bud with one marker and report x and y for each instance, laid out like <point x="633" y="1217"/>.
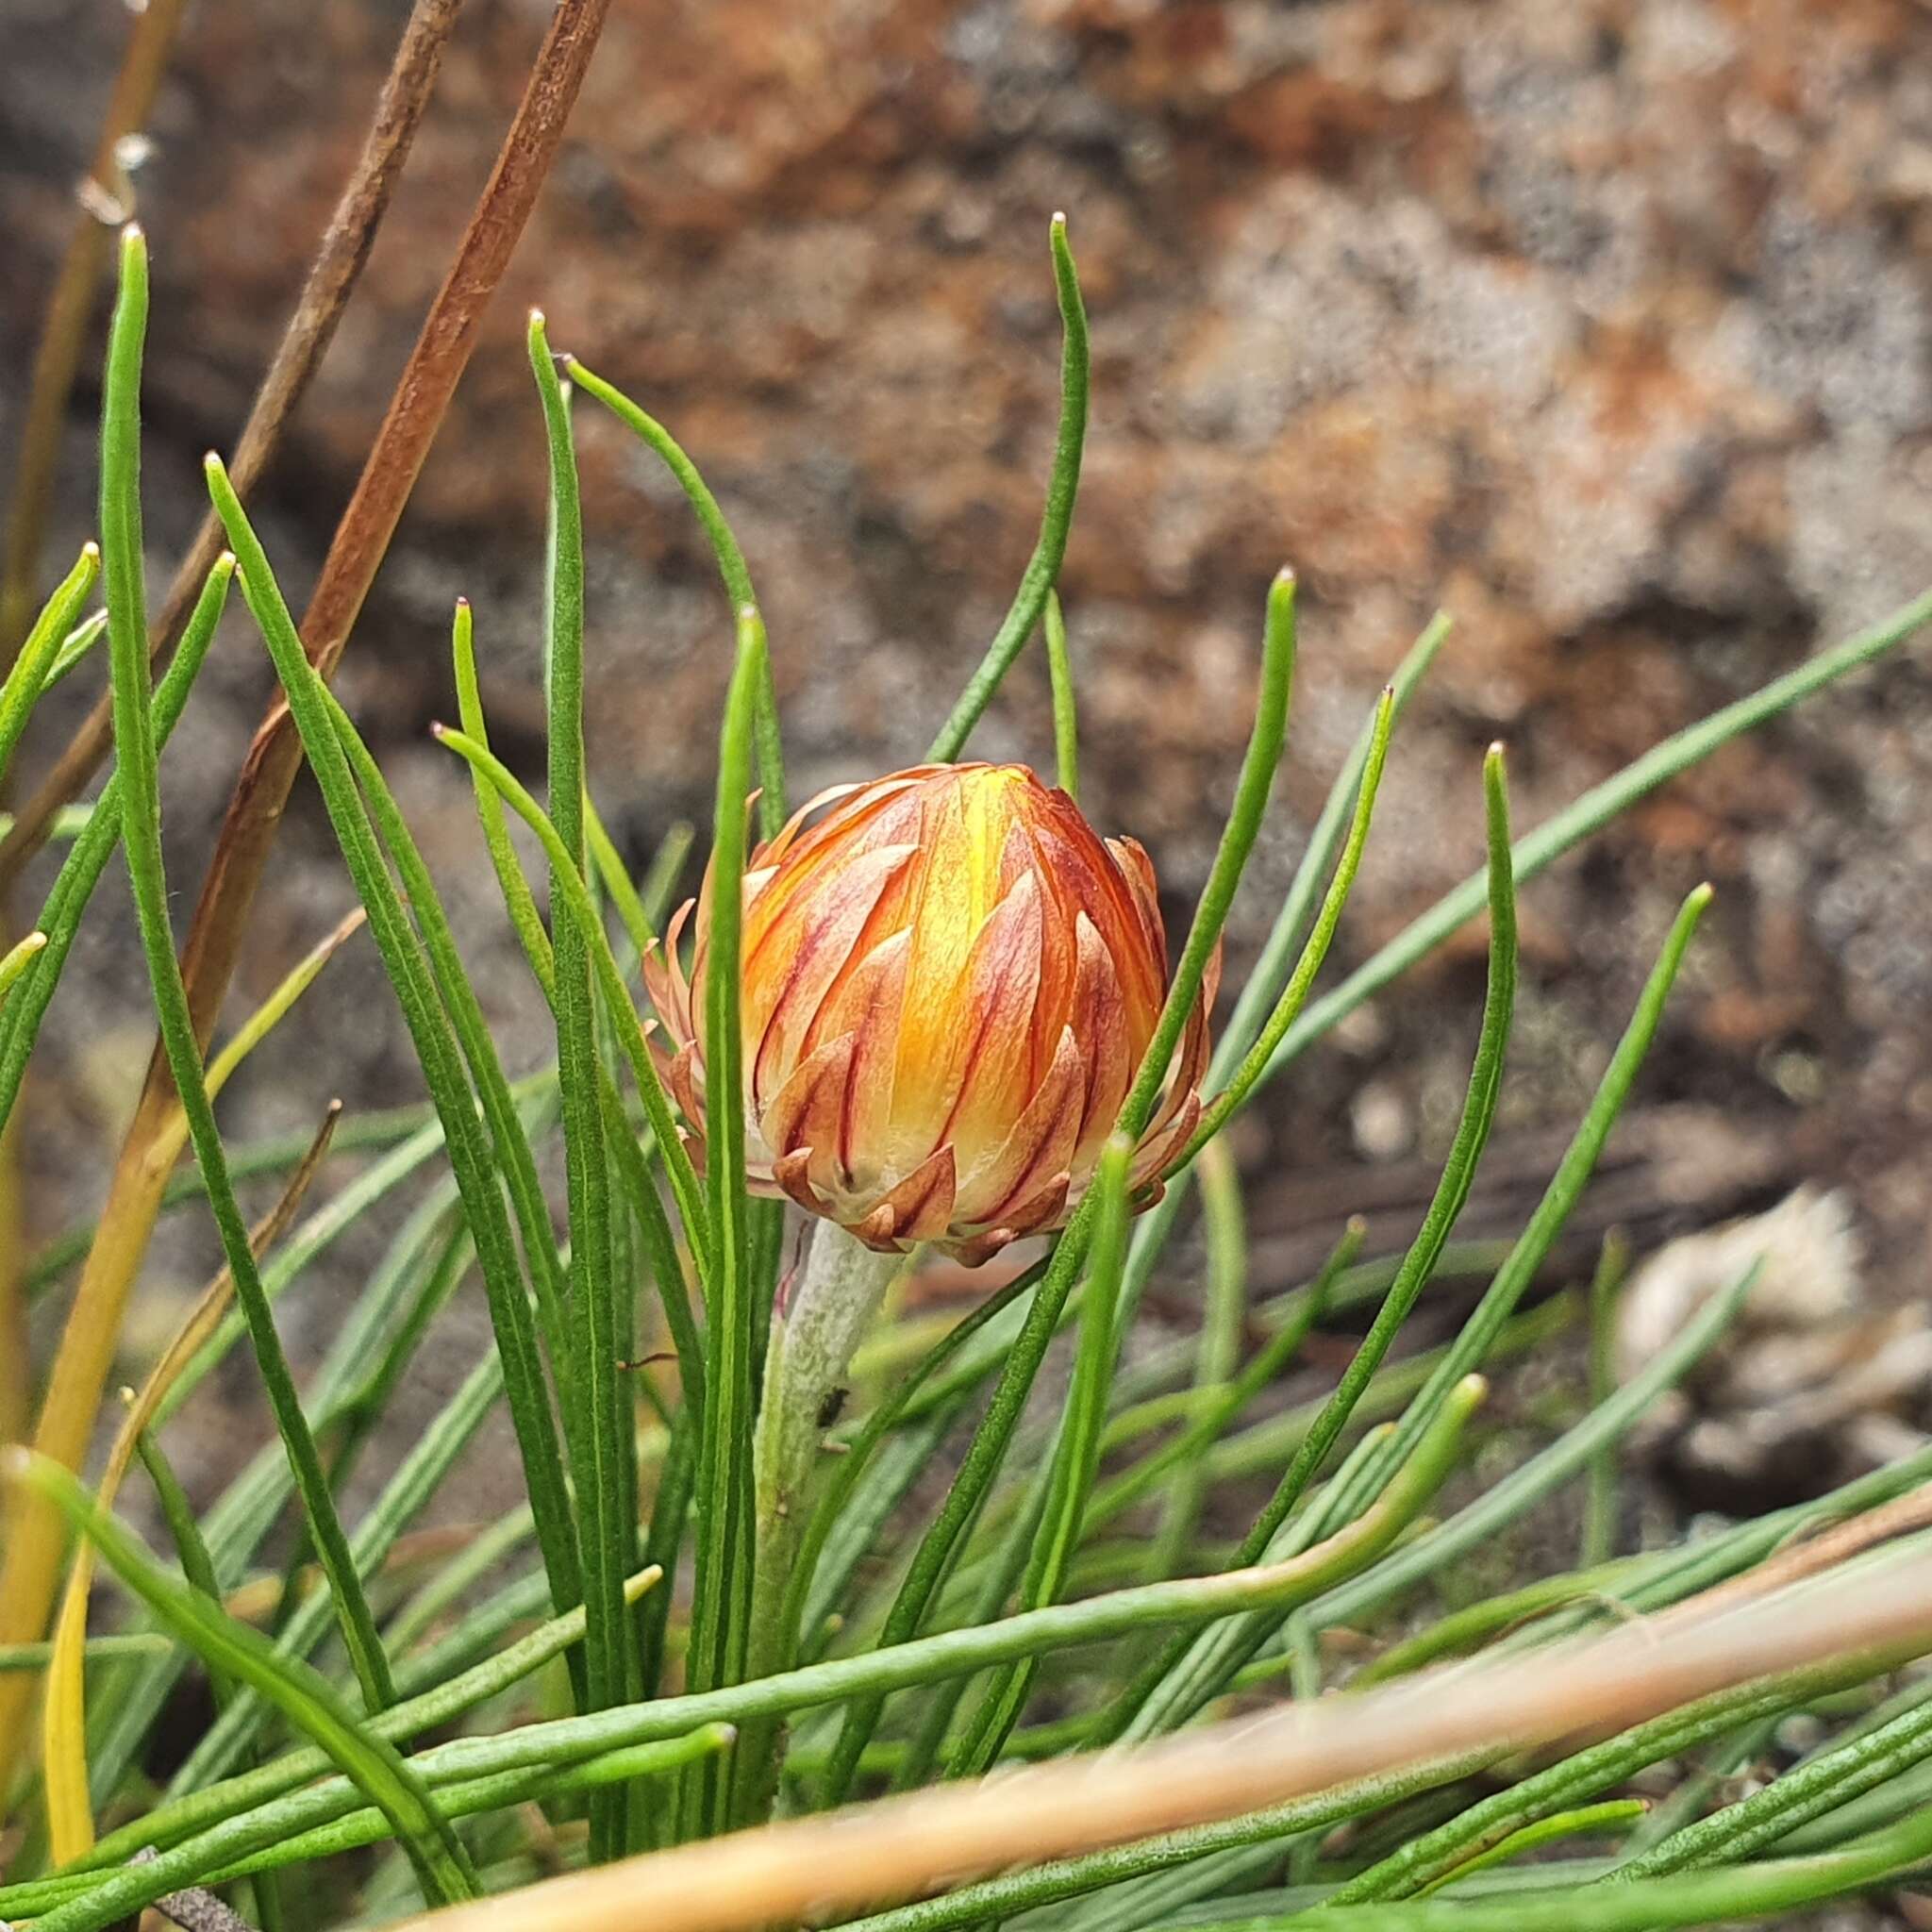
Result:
<point x="949" y="981"/>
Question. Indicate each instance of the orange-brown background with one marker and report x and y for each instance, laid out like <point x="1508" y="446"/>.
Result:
<point x="1603" y="325"/>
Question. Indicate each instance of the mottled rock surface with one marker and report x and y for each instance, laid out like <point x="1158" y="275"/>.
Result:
<point x="1604" y="326"/>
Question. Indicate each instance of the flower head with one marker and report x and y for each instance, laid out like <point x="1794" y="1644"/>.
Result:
<point x="949" y="981"/>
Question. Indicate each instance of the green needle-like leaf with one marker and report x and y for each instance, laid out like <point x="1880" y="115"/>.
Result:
<point x="1076" y="1457"/>
<point x="478" y="1174"/>
<point x="938" y="1547"/>
<point x="1043" y="568"/>
<point x="134" y="744"/>
<point x="599" y="1431"/>
<point x="517" y="897"/>
<point x="43" y="651"/>
<point x="721" y="1577"/>
<point x="1066" y="723"/>
<point x="1553" y="1211"/>
<point x="731" y="567"/>
<point x="1295" y="994"/>
<point x="875" y="1673"/>
<point x="377" y="1769"/>
<point x="1175" y="1683"/>
<point x="67" y="901"/>
<point x="1596" y="808"/>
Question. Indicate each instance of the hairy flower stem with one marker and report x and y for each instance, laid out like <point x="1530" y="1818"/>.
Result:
<point x="820" y="1318"/>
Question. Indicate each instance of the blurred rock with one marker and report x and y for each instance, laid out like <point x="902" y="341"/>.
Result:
<point x="1605" y="326"/>
<point x="1810" y="1383"/>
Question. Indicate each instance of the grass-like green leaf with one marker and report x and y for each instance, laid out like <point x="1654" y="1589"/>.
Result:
<point x="377" y="1770"/>
<point x="596" y="1403"/>
<point x="66" y="902"/>
<point x="1284" y="945"/>
<point x="431" y="1456"/>
<point x="1595" y="809"/>
<point x="1585" y="1821"/>
<point x="1224" y="1327"/>
<point x="1543" y="1474"/>
<point x="1427" y="1856"/>
<point x="1076" y="1456"/>
<point x="1598" y="1537"/>
<point x="640" y="1190"/>
<point x="1764" y="1818"/>
<point x="576" y="904"/>
<point x="477" y="1175"/>
<point x="666" y="867"/>
<point x="1174" y="1685"/>
<point x="731" y="568"/>
<point x="134" y="744"/>
<point x="1043" y="566"/>
<point x="438" y="1704"/>
<point x="1226" y="1401"/>
<point x="73" y="650"/>
<point x="17" y="958"/>
<point x="1559" y="1199"/>
<point x="938" y="1546"/>
<point x="1295" y="994"/>
<point x="1066" y="720"/>
<point x="517" y="897"/>
<point x="43" y="649"/>
<point x="236" y="1521"/>
<point x="617" y="883"/>
<point x="723" y="1571"/>
<point x="240" y="1832"/>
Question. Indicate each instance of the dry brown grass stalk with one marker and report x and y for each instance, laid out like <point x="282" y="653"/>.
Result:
<point x="31" y="1571"/>
<point x="871" y="1854"/>
<point x="311" y="328"/>
<point x="1827" y="1550"/>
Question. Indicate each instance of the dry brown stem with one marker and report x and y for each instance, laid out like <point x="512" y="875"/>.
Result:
<point x="1823" y="1552"/>
<point x="31" y="1570"/>
<point x="345" y="245"/>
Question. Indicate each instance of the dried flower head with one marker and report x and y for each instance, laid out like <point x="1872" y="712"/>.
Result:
<point x="949" y="981"/>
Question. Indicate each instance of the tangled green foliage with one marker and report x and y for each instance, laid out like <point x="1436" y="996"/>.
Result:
<point x="573" y="1683"/>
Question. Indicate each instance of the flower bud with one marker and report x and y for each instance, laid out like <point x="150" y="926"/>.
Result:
<point x="949" y="981"/>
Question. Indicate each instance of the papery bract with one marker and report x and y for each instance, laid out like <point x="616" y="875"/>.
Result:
<point x="949" y="981"/>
